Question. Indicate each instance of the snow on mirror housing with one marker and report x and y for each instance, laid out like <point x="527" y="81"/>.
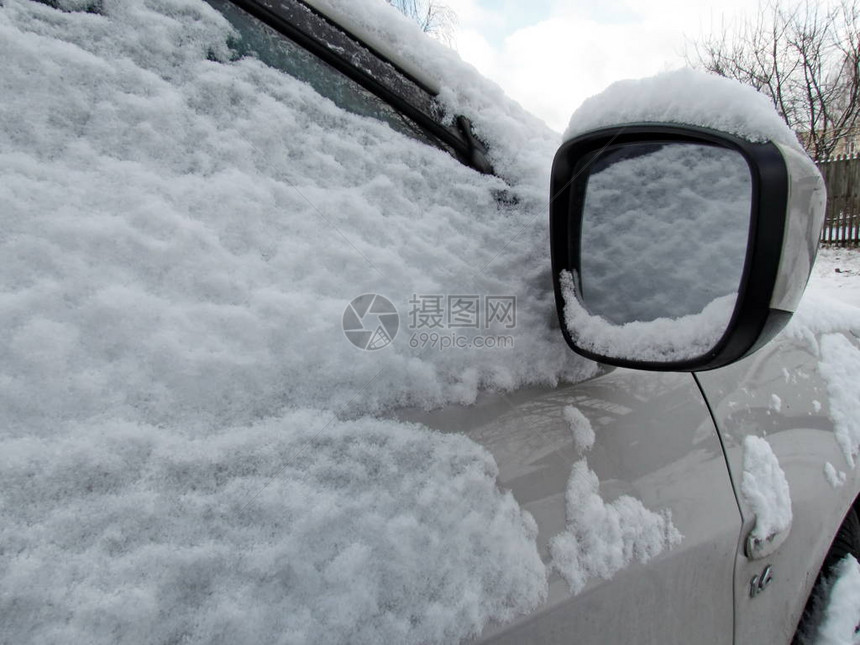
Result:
<point x="678" y="247"/>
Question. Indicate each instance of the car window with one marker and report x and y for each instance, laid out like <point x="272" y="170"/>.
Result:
<point x="255" y="38"/>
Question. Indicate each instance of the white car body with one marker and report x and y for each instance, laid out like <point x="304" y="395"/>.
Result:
<point x="674" y="443"/>
<point x="656" y="441"/>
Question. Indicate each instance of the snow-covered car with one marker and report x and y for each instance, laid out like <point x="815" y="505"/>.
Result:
<point x="287" y="345"/>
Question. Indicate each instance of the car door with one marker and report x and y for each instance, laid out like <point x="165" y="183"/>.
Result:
<point x="655" y="445"/>
<point x="781" y="394"/>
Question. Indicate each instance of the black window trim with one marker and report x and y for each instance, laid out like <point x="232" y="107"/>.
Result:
<point x="353" y="58"/>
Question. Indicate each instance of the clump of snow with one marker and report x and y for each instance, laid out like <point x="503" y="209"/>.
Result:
<point x="775" y="403"/>
<point x="819" y="313"/>
<point x="841" y="614"/>
<point x="580" y="426"/>
<point x="836" y="478"/>
<point x="687" y="97"/>
<point x="831" y="302"/>
<point x="300" y="529"/>
<point x="601" y="539"/>
<point x="662" y="339"/>
<point x="840" y="369"/>
<point x="829" y="308"/>
<point x="664" y="230"/>
<point x="764" y="489"/>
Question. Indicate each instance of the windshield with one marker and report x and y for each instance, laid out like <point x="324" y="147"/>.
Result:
<point x="254" y="38"/>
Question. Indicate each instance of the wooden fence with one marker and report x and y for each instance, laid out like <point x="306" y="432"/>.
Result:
<point x="842" y="218"/>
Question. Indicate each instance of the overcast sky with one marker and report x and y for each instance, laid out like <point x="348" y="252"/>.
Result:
<point x="551" y="54"/>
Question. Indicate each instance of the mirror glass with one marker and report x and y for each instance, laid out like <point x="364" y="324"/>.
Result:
<point x="663" y="240"/>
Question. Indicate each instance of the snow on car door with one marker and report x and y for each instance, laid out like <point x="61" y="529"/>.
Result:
<point x="640" y="530"/>
<point x="782" y="395"/>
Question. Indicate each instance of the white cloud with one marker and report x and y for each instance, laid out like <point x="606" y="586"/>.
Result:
<point x="578" y="48"/>
<point x="475" y="48"/>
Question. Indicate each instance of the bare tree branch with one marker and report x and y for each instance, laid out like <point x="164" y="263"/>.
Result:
<point x="433" y="16"/>
<point x="804" y="58"/>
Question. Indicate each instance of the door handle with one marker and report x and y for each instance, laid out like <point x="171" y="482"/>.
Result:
<point x="756" y="547"/>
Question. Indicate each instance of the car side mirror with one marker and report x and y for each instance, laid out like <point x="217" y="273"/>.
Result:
<point x="679" y="248"/>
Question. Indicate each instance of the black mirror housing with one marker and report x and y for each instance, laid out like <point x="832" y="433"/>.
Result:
<point x="786" y="209"/>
